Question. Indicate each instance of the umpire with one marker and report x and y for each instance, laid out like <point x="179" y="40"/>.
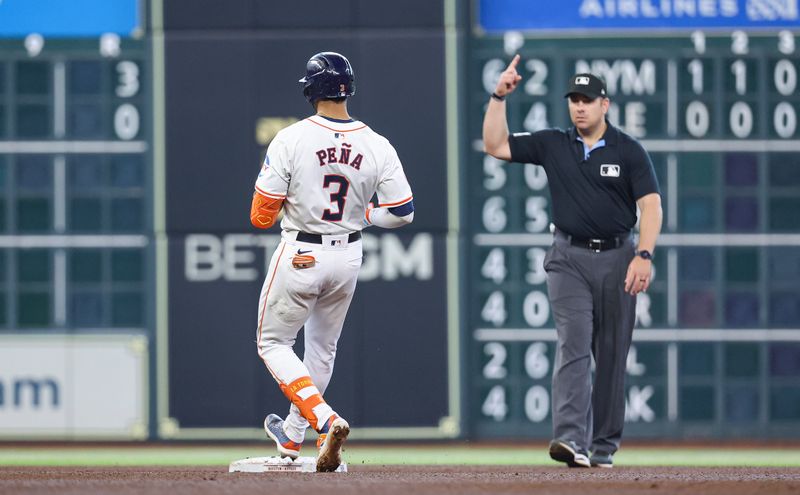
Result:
<point x="598" y="175"/>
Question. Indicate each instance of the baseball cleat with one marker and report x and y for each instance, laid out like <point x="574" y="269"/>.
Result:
<point x="273" y="425"/>
<point x="569" y="452"/>
<point x="601" y="459"/>
<point x="330" y="450"/>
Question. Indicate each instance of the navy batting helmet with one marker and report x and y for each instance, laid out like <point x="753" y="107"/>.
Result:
<point x="328" y="75"/>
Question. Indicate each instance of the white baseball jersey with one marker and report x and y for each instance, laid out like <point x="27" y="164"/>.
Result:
<point x="327" y="171"/>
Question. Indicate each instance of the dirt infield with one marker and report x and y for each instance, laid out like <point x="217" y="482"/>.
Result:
<point x="403" y="480"/>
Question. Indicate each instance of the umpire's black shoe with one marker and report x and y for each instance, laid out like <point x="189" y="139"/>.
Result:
<point x="569" y="452"/>
<point x="601" y="459"/>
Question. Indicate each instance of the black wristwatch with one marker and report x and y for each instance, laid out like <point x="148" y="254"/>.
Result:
<point x="645" y="254"/>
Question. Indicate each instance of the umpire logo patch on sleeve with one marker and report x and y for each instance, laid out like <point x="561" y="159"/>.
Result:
<point x="607" y="170"/>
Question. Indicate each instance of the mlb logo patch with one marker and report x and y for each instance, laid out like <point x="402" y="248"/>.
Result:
<point x="607" y="170"/>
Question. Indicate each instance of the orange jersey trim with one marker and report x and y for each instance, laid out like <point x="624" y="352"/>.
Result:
<point x="269" y="195"/>
<point x="384" y="205"/>
<point x="335" y="130"/>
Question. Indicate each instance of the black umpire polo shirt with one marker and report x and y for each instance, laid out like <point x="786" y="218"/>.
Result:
<point x="593" y="197"/>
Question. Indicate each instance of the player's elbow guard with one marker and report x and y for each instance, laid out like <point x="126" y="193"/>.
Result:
<point x="407" y="219"/>
<point x="262" y="222"/>
<point x="264" y="211"/>
<point x="404" y="214"/>
<point x="390" y="218"/>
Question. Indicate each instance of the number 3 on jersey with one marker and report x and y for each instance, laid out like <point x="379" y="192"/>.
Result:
<point x="338" y="197"/>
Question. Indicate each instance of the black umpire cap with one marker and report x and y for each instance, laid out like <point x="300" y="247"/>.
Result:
<point x="587" y="85"/>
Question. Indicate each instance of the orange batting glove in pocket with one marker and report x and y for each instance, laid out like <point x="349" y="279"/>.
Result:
<point x="301" y="261"/>
<point x="264" y="210"/>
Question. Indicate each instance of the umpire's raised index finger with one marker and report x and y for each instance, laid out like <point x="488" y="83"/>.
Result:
<point x="514" y="62"/>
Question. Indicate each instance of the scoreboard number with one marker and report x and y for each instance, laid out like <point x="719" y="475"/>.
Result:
<point x="536" y="274"/>
<point x="494" y="406"/>
<point x="537" y="364"/>
<point x="785" y="120"/>
<point x="695" y="68"/>
<point x="494" y="267"/>
<point x="741" y="119"/>
<point x="538" y="75"/>
<point x="535" y="177"/>
<point x="785" y="77"/>
<point x="536" y="211"/>
<point x="126" y="121"/>
<point x="494" y="215"/>
<point x="786" y="42"/>
<point x="536" y="119"/>
<point x="128" y="82"/>
<point x="536" y="309"/>
<point x="537" y="404"/>
<point x="740" y="43"/>
<point x="495" y="369"/>
<point x="698" y="119"/>
<point x="495" y="173"/>
<point x="494" y="310"/>
<point x="739" y="71"/>
<point x="491" y="74"/>
<point x="699" y="42"/>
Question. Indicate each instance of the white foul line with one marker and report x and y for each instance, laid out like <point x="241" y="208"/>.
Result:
<point x="60" y="194"/>
<point x="650" y="335"/>
<point x="672" y="382"/>
<point x="60" y="287"/>
<point x="59" y="100"/>
<point x="720" y="145"/>
<point x="664" y="240"/>
<point x="73" y="147"/>
<point x="672" y="98"/>
<point x="672" y="287"/>
<point x="73" y="241"/>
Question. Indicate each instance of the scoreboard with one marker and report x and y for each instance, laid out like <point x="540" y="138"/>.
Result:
<point x="75" y="220"/>
<point x="74" y="184"/>
<point x="716" y="348"/>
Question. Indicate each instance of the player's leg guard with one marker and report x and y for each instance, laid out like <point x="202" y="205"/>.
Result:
<point x="305" y="395"/>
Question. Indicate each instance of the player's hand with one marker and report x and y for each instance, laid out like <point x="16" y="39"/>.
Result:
<point x="509" y="78"/>
<point x="639" y="275"/>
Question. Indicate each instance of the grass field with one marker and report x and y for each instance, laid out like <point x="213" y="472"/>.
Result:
<point x="356" y="454"/>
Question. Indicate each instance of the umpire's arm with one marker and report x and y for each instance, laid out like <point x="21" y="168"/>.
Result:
<point x="649" y="221"/>
<point x="639" y="274"/>
<point x="495" y="124"/>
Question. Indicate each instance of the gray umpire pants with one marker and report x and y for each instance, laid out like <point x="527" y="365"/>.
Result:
<point x="593" y="316"/>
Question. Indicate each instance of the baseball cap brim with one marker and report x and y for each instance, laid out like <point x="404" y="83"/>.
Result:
<point x="584" y="92"/>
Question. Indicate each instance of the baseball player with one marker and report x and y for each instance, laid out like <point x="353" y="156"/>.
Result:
<point x="321" y="172"/>
<point x="597" y="176"/>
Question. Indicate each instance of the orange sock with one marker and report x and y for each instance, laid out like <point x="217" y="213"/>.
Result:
<point x="305" y="395"/>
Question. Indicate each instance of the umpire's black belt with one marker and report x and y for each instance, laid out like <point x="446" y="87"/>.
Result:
<point x="596" y="244"/>
<point x="317" y="238"/>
